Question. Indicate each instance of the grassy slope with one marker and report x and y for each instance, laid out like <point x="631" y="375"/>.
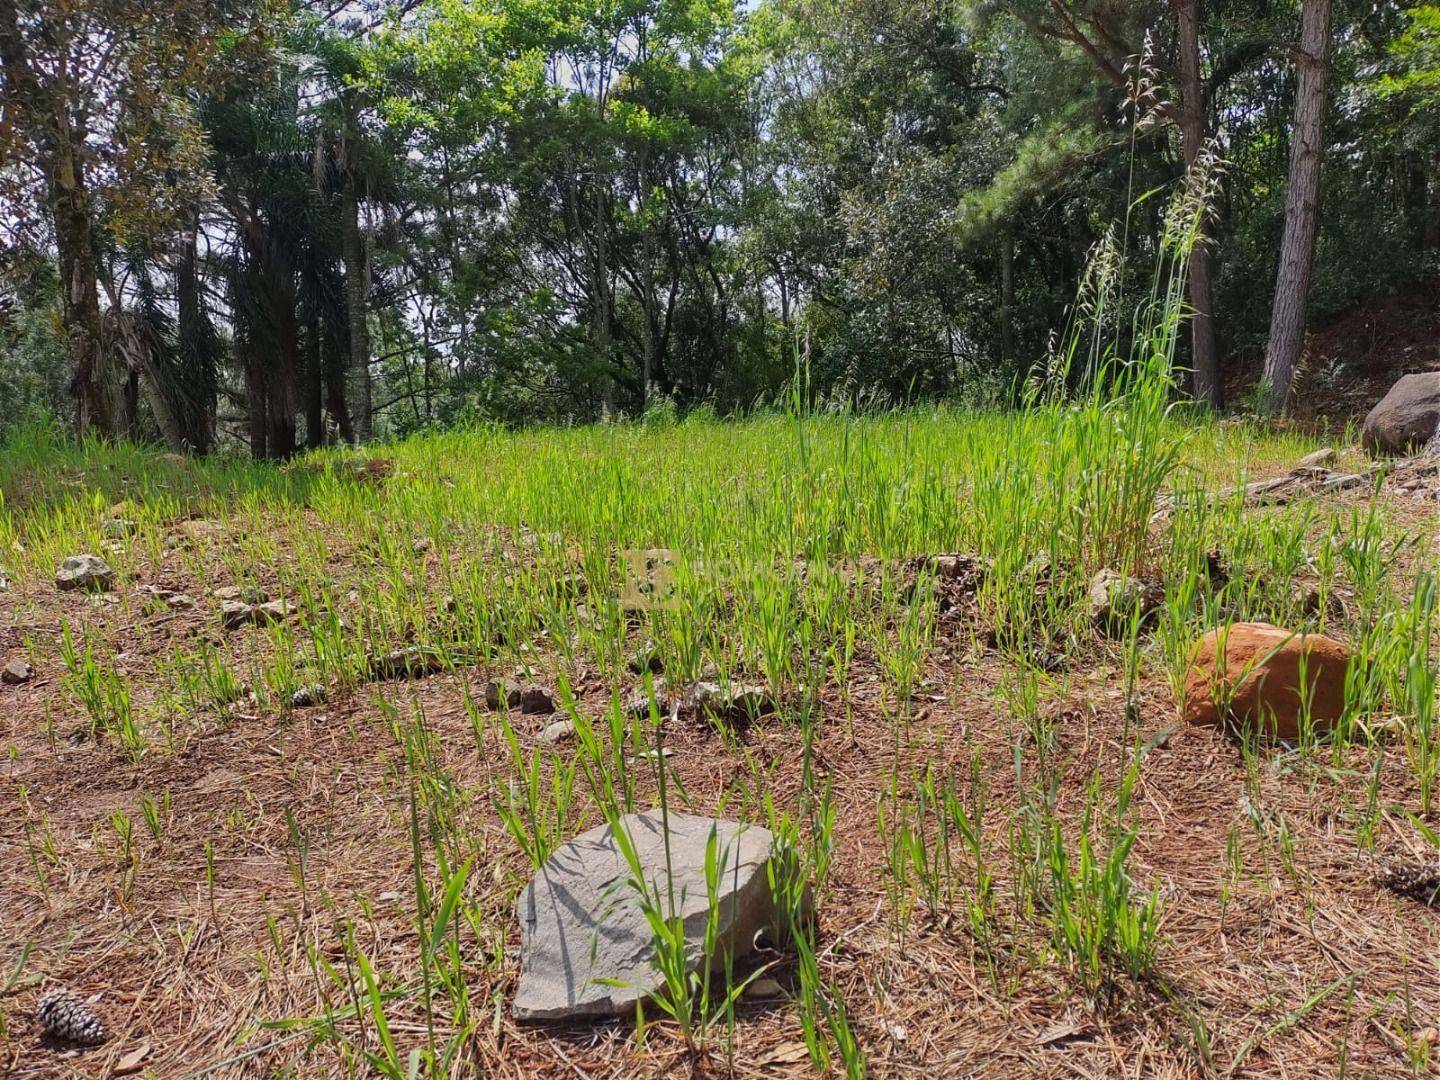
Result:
<point x="207" y="855"/>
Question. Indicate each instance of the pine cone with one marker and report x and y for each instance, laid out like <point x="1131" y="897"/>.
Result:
<point x="1417" y="880"/>
<point x="64" y="1016"/>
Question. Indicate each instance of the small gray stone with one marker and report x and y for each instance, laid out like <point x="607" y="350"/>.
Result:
<point x="496" y="695"/>
<point x="1322" y="458"/>
<point x="647" y="659"/>
<point x="16" y="672"/>
<point x="245" y="594"/>
<point x="582" y="926"/>
<point x="85" y="572"/>
<point x="559" y="731"/>
<point x="533" y="700"/>
<point x="764" y="990"/>
<point x="236" y="613"/>
<point x="118" y="528"/>
<point x="1114" y="598"/>
<point x="272" y="611"/>
<point x="737" y="702"/>
<point x="412" y="662"/>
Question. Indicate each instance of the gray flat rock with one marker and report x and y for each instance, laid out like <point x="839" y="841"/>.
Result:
<point x="581" y="920"/>
<point x="84" y="572"/>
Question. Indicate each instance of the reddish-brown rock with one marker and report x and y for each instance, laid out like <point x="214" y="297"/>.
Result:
<point x="1261" y="664"/>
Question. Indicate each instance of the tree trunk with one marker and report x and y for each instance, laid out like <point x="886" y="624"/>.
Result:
<point x="356" y="283"/>
<point x="197" y="348"/>
<point x="257" y="397"/>
<point x="43" y="112"/>
<point x="141" y="357"/>
<point x="314" y="382"/>
<point x="1007" y="298"/>
<point x="283" y="382"/>
<point x="1297" y="248"/>
<point x="335" y="400"/>
<point x="99" y="392"/>
<point x="1194" y="131"/>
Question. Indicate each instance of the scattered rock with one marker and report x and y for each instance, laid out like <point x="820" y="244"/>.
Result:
<point x="1322" y="458"/>
<point x="245" y="594"/>
<point x="586" y="947"/>
<point x="1114" y="599"/>
<point x="1311" y="601"/>
<point x="647" y="659"/>
<point x="764" y="990"/>
<point x="412" y="662"/>
<point x="272" y="611"/>
<point x="118" y="528"/>
<point x="528" y="699"/>
<point x="16" y="673"/>
<point x="236" y="613"/>
<point x="1217" y="569"/>
<point x="1406" y="417"/>
<point x="307" y="696"/>
<point x="1258" y="669"/>
<point x="954" y="566"/>
<point x="736" y="703"/>
<point x="532" y="700"/>
<point x="496" y="696"/>
<point x="559" y="731"/>
<point x="85" y="572"/>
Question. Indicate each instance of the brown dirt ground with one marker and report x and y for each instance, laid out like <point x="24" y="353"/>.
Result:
<point x="1353" y="359"/>
<point x="1299" y="970"/>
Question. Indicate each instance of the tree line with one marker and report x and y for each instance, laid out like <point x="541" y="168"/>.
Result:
<point x="275" y="224"/>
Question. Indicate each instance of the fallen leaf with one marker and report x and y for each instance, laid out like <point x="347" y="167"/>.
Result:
<point x="1057" y="1033"/>
<point x="786" y="1054"/>
<point x="132" y="1061"/>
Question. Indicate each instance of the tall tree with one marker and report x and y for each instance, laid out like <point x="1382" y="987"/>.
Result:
<point x="1297" y="248"/>
<point x="40" y="102"/>
<point x="357" y="269"/>
<point x="1194" y="135"/>
<point x="92" y="103"/>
